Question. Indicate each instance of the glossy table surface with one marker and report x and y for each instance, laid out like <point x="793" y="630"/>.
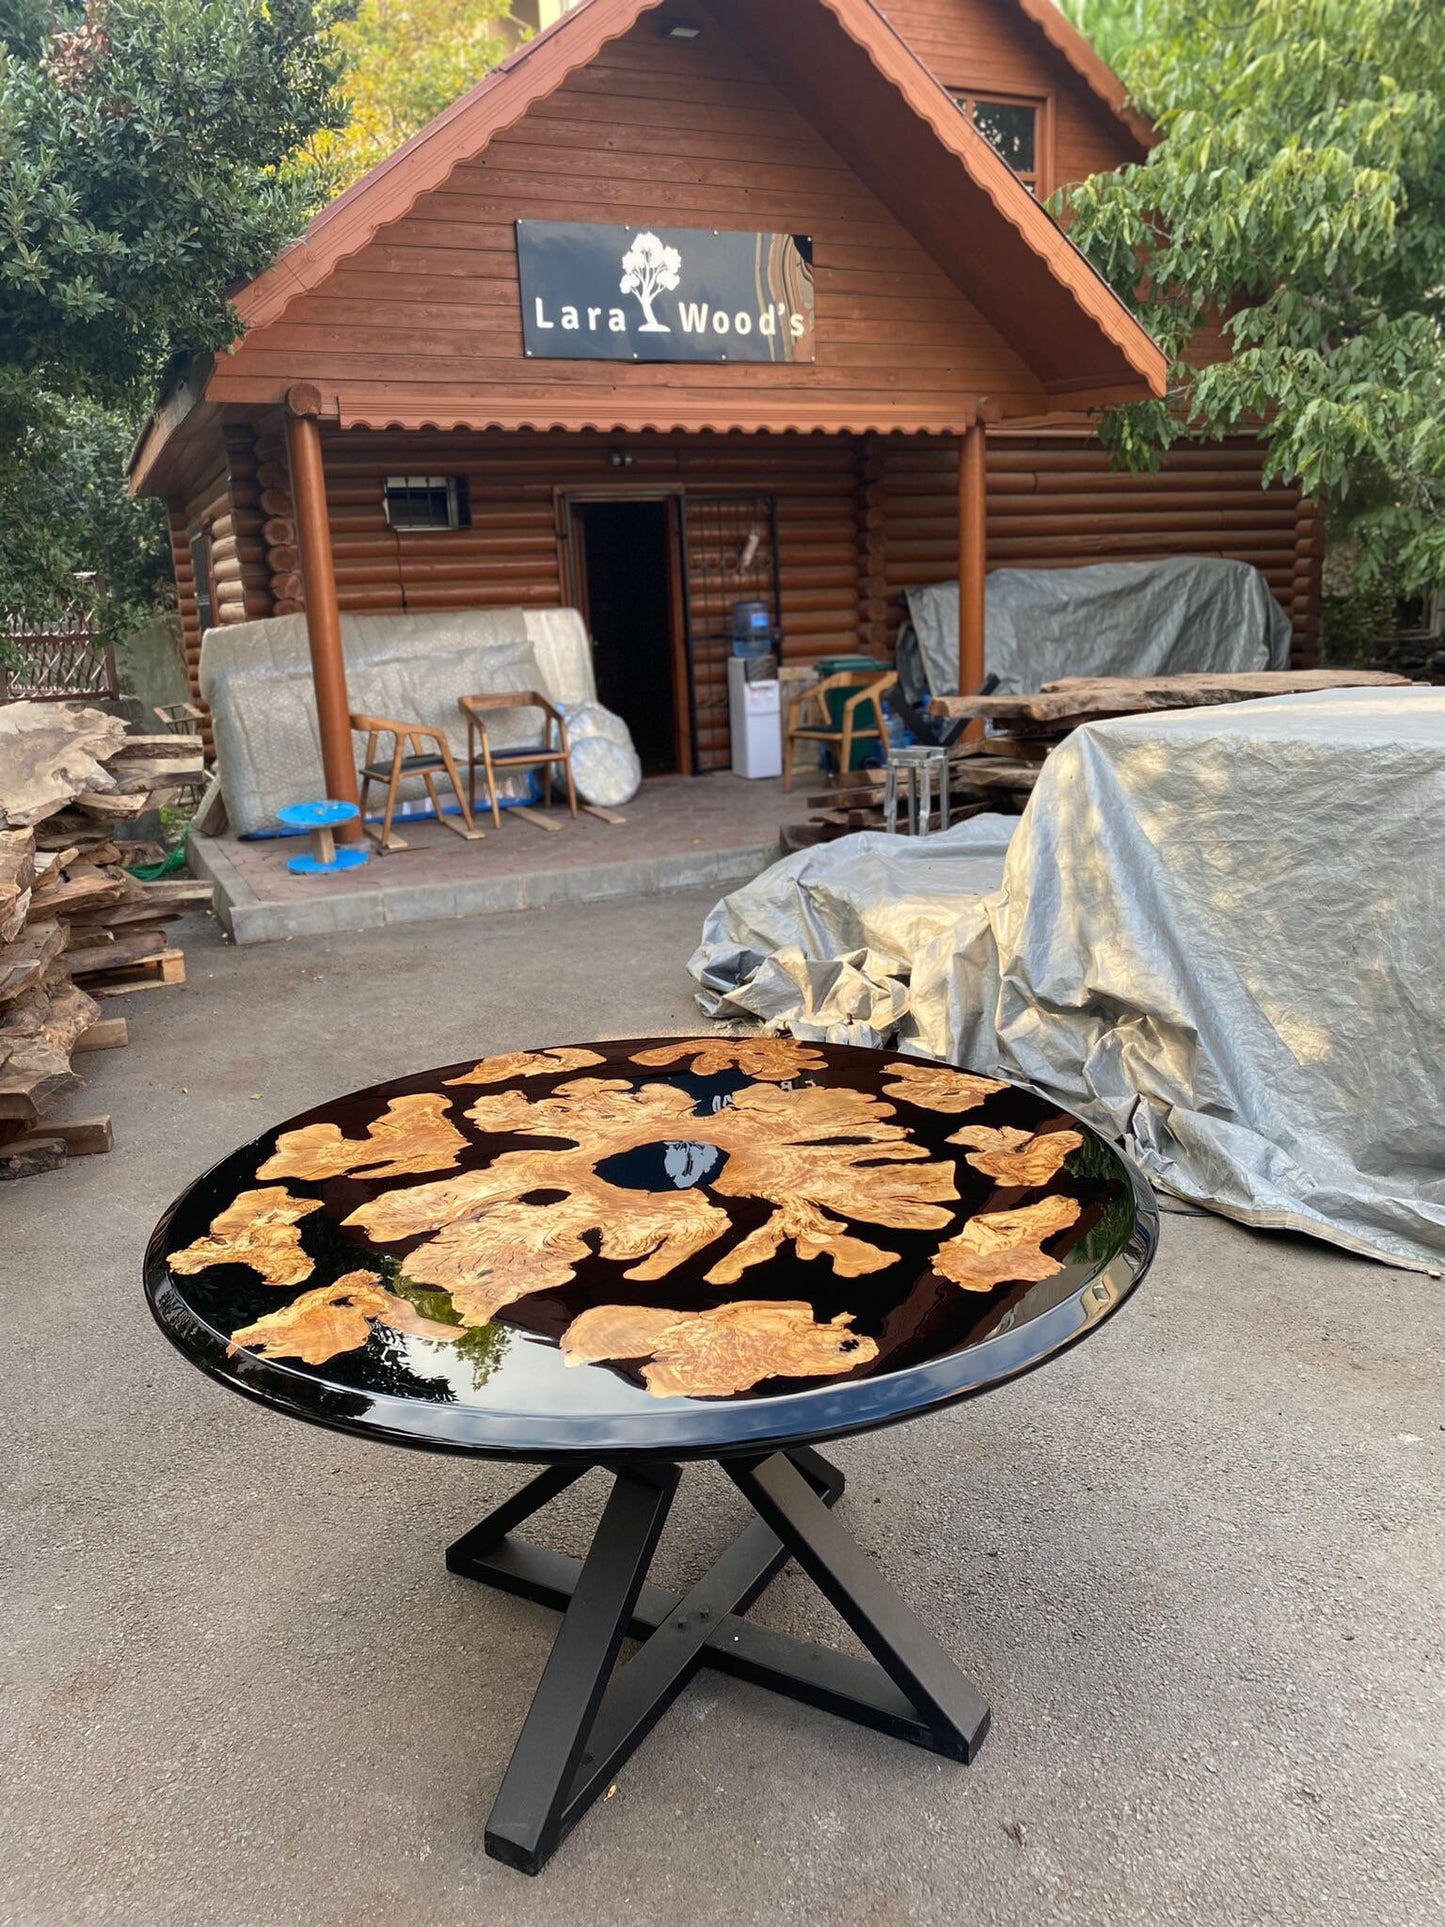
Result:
<point x="663" y="1248"/>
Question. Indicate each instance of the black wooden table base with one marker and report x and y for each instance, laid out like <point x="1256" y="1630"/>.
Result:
<point x="584" y="1722"/>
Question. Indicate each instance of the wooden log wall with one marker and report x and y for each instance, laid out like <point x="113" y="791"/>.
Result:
<point x="858" y="522"/>
<point x="515" y="552"/>
<point x="238" y="583"/>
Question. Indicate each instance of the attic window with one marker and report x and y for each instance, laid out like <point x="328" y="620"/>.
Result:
<point x="415" y="502"/>
<point x="1012" y="126"/>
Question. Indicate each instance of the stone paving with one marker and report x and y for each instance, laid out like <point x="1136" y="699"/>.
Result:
<point x="679" y="831"/>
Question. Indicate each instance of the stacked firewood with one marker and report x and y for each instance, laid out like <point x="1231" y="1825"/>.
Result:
<point x="75" y="926"/>
<point x="998" y="769"/>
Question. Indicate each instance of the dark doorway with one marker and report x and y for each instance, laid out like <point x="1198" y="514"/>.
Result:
<point x="627" y="568"/>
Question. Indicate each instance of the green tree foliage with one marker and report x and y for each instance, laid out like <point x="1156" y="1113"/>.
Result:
<point x="1297" y="197"/>
<point x="406" y="61"/>
<point x="65" y="512"/>
<point x="1112" y="27"/>
<point x="146" y="164"/>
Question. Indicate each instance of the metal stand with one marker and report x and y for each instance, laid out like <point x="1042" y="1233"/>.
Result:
<point x="914" y="771"/>
<point x="583" y="1723"/>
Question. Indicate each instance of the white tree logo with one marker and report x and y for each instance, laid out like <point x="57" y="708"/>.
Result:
<point x="648" y="270"/>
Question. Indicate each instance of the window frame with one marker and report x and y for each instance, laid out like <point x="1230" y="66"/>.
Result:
<point x="458" y="502"/>
<point x="967" y="99"/>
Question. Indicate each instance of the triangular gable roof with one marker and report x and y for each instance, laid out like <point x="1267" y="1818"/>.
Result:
<point x="1062" y="287"/>
<point x="868" y="95"/>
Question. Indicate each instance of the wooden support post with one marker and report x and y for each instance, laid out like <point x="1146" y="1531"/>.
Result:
<point x="323" y="616"/>
<point x="972" y="555"/>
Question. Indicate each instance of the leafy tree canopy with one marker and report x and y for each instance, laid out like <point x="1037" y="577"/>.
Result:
<point x="406" y="61"/>
<point x="1298" y="197"/>
<point x="1111" y="27"/>
<point x="146" y="164"/>
<point x="144" y="168"/>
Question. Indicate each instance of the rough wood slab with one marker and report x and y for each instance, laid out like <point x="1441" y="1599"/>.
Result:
<point x="993" y="773"/>
<point x="603" y="815"/>
<point x="23" y="963"/>
<point x="17" y="876"/>
<point x="37" y="1041"/>
<point x="85" y="890"/>
<point x="49" y="753"/>
<point x="182" y="748"/>
<point x="1084" y="697"/>
<point x="134" y="947"/>
<point x="31" y="1156"/>
<point x="112" y="805"/>
<point x="82" y="1137"/>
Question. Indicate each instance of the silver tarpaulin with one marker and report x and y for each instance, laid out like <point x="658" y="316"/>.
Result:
<point x="1170" y="618"/>
<point x="1218" y="936"/>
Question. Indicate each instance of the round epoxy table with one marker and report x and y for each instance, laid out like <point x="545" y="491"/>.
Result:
<point x="633" y="1254"/>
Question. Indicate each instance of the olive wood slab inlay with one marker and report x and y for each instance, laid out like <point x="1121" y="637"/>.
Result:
<point x="772" y="1060"/>
<point x="820" y="1155"/>
<point x="937" y="1088"/>
<point x="258" y="1229"/>
<point x="336" y="1318"/>
<point x="527" y="1063"/>
<point x="1017" y="1157"/>
<point x="414" y="1135"/>
<point x="999" y="1246"/>
<point x="695" y="1217"/>
<point x="708" y="1354"/>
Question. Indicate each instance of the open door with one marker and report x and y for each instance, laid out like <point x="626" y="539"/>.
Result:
<point x="626" y="567"/>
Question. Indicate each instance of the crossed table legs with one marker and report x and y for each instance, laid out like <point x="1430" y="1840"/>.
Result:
<point x="584" y="1722"/>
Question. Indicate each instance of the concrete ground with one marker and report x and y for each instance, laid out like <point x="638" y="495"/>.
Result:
<point x="1195" y="1565"/>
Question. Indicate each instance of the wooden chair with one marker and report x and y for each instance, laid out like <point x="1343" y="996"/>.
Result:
<point x="410" y="756"/>
<point x="555" y="747"/>
<point x="868" y="691"/>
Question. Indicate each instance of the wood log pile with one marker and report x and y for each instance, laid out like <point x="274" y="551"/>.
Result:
<point x="998" y="770"/>
<point x="75" y="927"/>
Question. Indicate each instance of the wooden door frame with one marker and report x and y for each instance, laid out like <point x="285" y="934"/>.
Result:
<point x="572" y="542"/>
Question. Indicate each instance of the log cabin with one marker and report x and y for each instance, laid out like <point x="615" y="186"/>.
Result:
<point x="688" y="302"/>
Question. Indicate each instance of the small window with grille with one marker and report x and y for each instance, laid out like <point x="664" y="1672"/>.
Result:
<point x="426" y="502"/>
<point x="1012" y="127"/>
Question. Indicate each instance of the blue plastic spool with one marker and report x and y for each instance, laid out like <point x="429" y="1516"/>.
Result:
<point x="323" y="858"/>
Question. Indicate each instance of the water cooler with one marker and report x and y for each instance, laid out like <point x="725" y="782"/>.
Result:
<point x="754" y="704"/>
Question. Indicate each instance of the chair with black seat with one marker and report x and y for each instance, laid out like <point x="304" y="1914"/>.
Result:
<point x="553" y="749"/>
<point x="415" y="751"/>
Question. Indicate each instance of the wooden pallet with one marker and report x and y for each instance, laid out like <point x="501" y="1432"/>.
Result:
<point x="150" y="973"/>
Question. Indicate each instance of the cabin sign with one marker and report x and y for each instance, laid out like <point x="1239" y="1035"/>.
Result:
<point x="593" y="292"/>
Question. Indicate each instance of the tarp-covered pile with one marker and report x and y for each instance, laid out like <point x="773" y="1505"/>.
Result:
<point x="1184" y="615"/>
<point x="1218" y="936"/>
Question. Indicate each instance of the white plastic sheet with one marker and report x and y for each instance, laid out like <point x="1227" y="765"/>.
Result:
<point x="256" y="679"/>
<point x="1218" y="936"/>
<point x="1184" y="615"/>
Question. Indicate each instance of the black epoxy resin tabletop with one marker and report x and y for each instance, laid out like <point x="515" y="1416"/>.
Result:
<point x="631" y="1254"/>
<point x="665" y="1247"/>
